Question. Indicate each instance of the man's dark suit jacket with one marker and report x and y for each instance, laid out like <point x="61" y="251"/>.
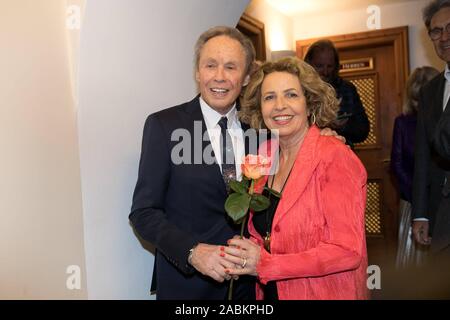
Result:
<point x="441" y="235"/>
<point x="442" y="135"/>
<point x="177" y="206"/>
<point x="430" y="167"/>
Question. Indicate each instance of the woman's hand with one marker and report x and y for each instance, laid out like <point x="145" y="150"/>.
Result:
<point x="244" y="254"/>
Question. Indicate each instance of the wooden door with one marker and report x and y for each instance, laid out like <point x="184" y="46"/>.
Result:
<point x="254" y="30"/>
<point x="376" y="62"/>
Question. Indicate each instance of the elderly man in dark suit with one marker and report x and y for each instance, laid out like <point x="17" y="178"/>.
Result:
<point x="429" y="226"/>
<point x="178" y="202"/>
<point x="441" y="233"/>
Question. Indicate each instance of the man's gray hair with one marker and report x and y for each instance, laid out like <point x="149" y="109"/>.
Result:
<point x="431" y="9"/>
<point x="232" y="33"/>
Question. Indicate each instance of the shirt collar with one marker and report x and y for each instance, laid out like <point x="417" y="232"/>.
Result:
<point x="447" y="73"/>
<point x="212" y="117"/>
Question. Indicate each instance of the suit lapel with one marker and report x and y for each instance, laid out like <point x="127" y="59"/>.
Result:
<point x="447" y="106"/>
<point x="438" y="100"/>
<point x="302" y="171"/>
<point x="196" y="116"/>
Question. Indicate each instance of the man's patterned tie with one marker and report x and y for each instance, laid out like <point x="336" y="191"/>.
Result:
<point x="226" y="147"/>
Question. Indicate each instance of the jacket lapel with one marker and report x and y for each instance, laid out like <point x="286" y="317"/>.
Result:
<point x="438" y="100"/>
<point x="196" y="116"/>
<point x="303" y="168"/>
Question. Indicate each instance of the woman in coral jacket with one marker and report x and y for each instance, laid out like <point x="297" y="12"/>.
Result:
<point x="310" y="243"/>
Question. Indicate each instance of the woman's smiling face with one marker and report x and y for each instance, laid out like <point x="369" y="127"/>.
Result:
<point x="283" y="104"/>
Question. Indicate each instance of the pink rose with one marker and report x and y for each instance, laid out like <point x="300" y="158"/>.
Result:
<point x="255" y="166"/>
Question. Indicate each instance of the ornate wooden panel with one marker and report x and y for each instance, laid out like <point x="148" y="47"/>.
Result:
<point x="374" y="224"/>
<point x="366" y="86"/>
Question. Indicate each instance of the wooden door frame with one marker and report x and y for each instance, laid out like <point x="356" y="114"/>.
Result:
<point x="398" y="37"/>
<point x="255" y="28"/>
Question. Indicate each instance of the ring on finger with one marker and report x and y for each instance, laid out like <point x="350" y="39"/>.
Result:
<point x="244" y="262"/>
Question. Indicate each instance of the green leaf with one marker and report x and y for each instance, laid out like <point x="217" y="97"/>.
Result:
<point x="237" y="205"/>
<point x="259" y="202"/>
<point x="239" y="186"/>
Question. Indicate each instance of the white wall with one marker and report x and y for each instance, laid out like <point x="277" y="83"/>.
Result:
<point x="392" y="15"/>
<point x="136" y="58"/>
<point x="278" y="27"/>
<point x="282" y="31"/>
<point x="41" y="228"/>
<point x="74" y="21"/>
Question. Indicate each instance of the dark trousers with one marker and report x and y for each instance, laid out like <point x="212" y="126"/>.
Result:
<point x="244" y="289"/>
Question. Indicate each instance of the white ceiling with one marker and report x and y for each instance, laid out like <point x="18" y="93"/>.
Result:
<point x="300" y="7"/>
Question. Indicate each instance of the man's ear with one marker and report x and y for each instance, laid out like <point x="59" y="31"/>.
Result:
<point x="246" y="80"/>
<point x="197" y="76"/>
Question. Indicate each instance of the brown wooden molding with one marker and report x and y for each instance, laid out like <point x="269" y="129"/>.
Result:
<point x="254" y="29"/>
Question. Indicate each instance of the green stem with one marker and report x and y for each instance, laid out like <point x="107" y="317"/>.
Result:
<point x="230" y="290"/>
<point x="250" y="191"/>
<point x="244" y="222"/>
<point x="243" y="225"/>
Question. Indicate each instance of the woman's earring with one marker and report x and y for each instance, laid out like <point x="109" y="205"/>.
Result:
<point x="313" y="119"/>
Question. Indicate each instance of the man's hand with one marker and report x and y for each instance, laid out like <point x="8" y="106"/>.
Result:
<point x="420" y="231"/>
<point x="209" y="260"/>
<point x="329" y="132"/>
<point x="341" y="122"/>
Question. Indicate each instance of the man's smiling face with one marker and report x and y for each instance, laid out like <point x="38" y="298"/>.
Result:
<point x="442" y="45"/>
<point x="221" y="72"/>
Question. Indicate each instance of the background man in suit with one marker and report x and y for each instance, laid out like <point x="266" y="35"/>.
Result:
<point x="441" y="232"/>
<point x="442" y="135"/>
<point x="179" y="208"/>
<point x="352" y="122"/>
<point x="430" y="167"/>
